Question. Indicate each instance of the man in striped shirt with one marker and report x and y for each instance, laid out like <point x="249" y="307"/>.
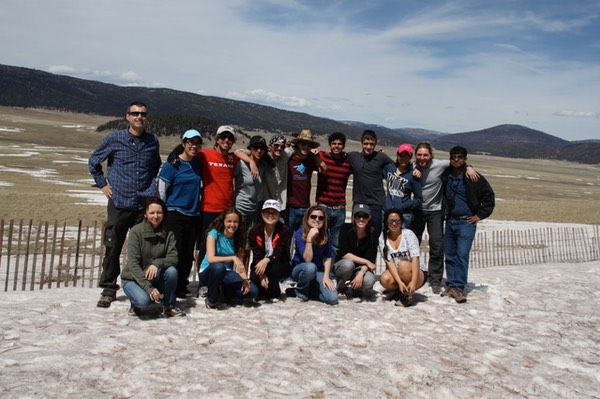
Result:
<point x="331" y="186"/>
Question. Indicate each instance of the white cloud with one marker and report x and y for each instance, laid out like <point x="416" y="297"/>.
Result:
<point x="460" y="64"/>
<point x="579" y="114"/>
<point x="60" y="69"/>
<point x="263" y="96"/>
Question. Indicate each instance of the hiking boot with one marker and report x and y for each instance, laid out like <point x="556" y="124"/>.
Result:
<point x="172" y="312"/>
<point x="435" y="288"/>
<point x="458" y="295"/>
<point x="447" y="291"/>
<point x="405" y="300"/>
<point x="209" y="305"/>
<point x="135" y="311"/>
<point x="105" y="301"/>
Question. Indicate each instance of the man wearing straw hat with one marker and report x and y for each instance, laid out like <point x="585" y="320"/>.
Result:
<point x="300" y="169"/>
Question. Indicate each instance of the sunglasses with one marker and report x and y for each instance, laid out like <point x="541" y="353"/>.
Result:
<point x="457" y="157"/>
<point x="362" y="216"/>
<point x="314" y="217"/>
<point x="227" y="137"/>
<point x="258" y="147"/>
<point x="394" y="221"/>
<point x="194" y="143"/>
<point x="138" y="113"/>
<point x="278" y="146"/>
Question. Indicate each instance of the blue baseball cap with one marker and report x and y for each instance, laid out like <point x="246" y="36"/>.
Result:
<point x="190" y="134"/>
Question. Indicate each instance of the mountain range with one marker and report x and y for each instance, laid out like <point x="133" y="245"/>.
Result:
<point x="24" y="87"/>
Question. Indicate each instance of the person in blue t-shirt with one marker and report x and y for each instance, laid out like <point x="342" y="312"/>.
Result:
<point x="179" y="187"/>
<point x="223" y="265"/>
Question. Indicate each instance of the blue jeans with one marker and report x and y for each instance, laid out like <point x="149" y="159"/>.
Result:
<point x="335" y="220"/>
<point x="458" y="238"/>
<point x="165" y="281"/>
<point x="435" y="228"/>
<point x="217" y="275"/>
<point x="310" y="284"/>
<point x="376" y="219"/>
<point x="294" y="218"/>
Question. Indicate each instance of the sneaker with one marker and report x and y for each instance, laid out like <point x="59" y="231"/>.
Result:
<point x="172" y="312"/>
<point x="446" y="291"/>
<point x="135" y="311"/>
<point x="106" y="300"/>
<point x="288" y="281"/>
<point x="203" y="291"/>
<point x="405" y="300"/>
<point x="458" y="295"/>
<point x="290" y="292"/>
<point x="183" y="294"/>
<point x="435" y="288"/>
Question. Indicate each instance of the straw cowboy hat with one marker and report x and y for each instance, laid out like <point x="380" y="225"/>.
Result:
<point x="306" y="136"/>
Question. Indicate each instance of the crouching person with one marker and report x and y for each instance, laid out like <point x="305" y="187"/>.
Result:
<point x="223" y="265"/>
<point x="312" y="260"/>
<point x="355" y="271"/>
<point x="400" y="249"/>
<point x="150" y="273"/>
<point x="270" y="255"/>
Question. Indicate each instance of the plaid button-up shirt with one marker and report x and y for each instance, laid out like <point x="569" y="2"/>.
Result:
<point x="132" y="166"/>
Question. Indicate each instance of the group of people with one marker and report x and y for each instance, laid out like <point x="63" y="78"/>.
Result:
<point x="242" y="211"/>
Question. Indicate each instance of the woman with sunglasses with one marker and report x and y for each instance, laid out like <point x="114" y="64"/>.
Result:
<point x="179" y="187"/>
<point x="401" y="252"/>
<point x="355" y="271"/>
<point x="312" y="258"/>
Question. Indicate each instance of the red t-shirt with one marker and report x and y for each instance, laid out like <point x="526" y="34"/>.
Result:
<point x="332" y="183"/>
<point x="217" y="175"/>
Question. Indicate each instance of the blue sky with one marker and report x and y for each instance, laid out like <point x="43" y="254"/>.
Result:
<point x="450" y="66"/>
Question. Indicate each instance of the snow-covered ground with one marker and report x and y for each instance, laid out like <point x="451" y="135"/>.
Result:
<point x="525" y="331"/>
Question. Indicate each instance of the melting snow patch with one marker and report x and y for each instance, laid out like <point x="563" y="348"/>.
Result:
<point x="91" y="197"/>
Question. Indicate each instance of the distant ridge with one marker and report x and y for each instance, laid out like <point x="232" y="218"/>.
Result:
<point x="517" y="141"/>
<point x="24" y="87"/>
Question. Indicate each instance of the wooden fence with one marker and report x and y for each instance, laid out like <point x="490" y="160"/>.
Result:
<point x="53" y="255"/>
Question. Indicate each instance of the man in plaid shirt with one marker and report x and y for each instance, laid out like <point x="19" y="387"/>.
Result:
<point x="133" y="162"/>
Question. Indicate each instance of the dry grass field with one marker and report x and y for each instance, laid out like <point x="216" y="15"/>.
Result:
<point x="44" y="175"/>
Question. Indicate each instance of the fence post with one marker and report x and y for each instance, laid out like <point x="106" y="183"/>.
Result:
<point x="52" y="253"/>
<point x="35" y="251"/>
<point x="18" y="256"/>
<point x="24" y="282"/>
<point x="2" y="244"/>
<point x="77" y="253"/>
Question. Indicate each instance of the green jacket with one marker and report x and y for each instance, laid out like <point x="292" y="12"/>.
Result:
<point x="148" y="247"/>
